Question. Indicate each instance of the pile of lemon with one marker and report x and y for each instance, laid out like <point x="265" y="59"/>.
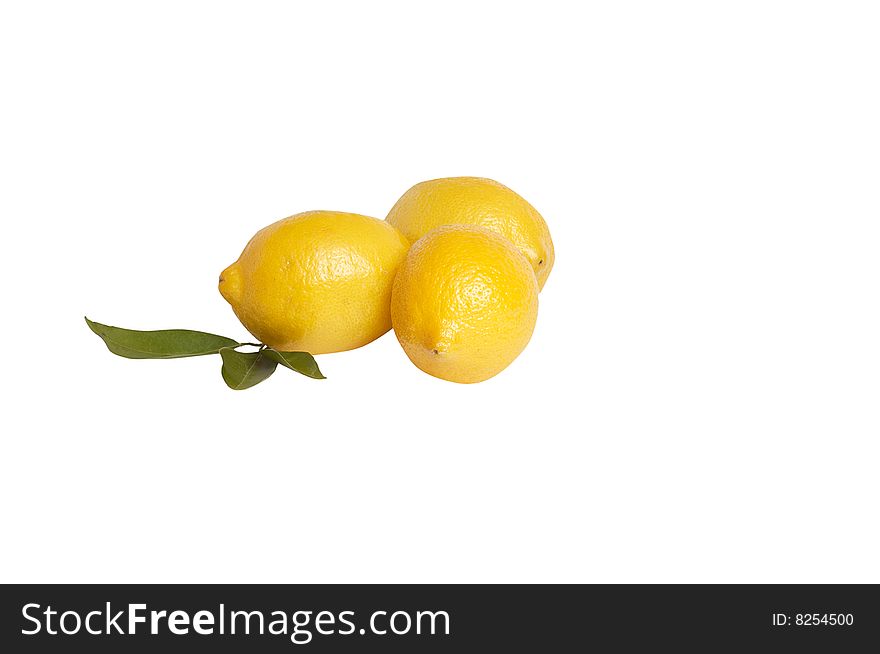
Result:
<point x="455" y="269"/>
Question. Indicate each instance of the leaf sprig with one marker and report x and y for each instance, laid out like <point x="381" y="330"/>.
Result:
<point x="240" y="369"/>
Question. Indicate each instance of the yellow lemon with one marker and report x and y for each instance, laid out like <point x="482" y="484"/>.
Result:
<point x="476" y="201"/>
<point x="317" y="282"/>
<point x="464" y="303"/>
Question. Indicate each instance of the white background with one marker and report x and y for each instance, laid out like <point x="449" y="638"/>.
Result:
<point x="699" y="401"/>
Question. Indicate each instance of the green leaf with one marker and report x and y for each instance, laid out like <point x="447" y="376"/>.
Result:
<point x="161" y="344"/>
<point x="301" y="362"/>
<point x="245" y="369"/>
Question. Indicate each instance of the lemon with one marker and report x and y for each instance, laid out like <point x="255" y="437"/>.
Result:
<point x="464" y="303"/>
<point x="317" y="282"/>
<point x="476" y="201"/>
